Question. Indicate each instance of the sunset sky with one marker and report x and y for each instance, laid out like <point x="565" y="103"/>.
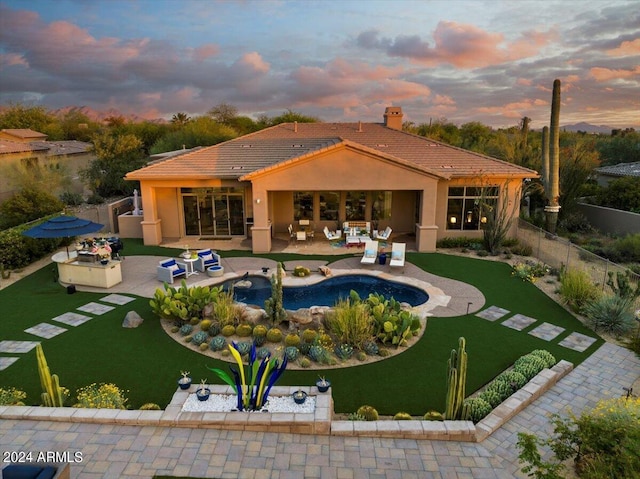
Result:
<point x="344" y="60"/>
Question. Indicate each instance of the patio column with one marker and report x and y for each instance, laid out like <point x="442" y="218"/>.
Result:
<point x="151" y="228"/>
<point x="426" y="229"/>
<point x="261" y="230"/>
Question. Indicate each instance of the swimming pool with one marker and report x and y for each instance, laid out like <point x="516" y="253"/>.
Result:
<point x="327" y="292"/>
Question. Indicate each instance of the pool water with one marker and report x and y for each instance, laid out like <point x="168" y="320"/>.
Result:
<point x="327" y="292"/>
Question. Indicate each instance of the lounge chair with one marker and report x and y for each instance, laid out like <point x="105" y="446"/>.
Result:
<point x="292" y="235"/>
<point x="169" y="269"/>
<point x="206" y="258"/>
<point x="397" y="255"/>
<point x="382" y="235"/>
<point x="332" y="235"/>
<point x="370" y="252"/>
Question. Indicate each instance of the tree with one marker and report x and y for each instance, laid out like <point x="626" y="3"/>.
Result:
<point x="28" y="205"/>
<point x="621" y="194"/>
<point x="223" y="113"/>
<point x="201" y="131"/>
<point x="78" y="126"/>
<point x="180" y="119"/>
<point x="288" y="116"/>
<point x="475" y="136"/>
<point x="619" y="149"/>
<point x="579" y="158"/>
<point x="36" y="118"/>
<point x="116" y="155"/>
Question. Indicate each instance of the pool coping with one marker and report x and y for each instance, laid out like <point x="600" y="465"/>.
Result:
<point x="319" y="422"/>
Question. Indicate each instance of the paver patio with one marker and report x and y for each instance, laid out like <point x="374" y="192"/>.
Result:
<point x="518" y="322"/>
<point x="45" y="330"/>
<point x="95" y="308"/>
<point x="72" y="319"/>
<point x="546" y="331"/>
<point x="492" y="313"/>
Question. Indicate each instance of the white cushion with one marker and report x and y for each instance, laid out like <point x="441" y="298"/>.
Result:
<point x="207" y="257"/>
<point x="370" y="253"/>
<point x="173" y="267"/>
<point x="396" y="255"/>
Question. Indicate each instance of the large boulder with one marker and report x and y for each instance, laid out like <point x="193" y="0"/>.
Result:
<point x="132" y="320"/>
<point x="253" y="315"/>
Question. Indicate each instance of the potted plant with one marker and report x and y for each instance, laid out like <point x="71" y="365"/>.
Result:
<point x="203" y="392"/>
<point x="322" y="384"/>
<point x="299" y="397"/>
<point x="185" y="381"/>
<point x="382" y="256"/>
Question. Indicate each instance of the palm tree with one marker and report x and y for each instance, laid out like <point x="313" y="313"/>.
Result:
<point x="180" y="119"/>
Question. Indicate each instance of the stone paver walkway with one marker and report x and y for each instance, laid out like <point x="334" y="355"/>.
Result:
<point x="72" y="319"/>
<point x="111" y="450"/>
<point x="45" y="330"/>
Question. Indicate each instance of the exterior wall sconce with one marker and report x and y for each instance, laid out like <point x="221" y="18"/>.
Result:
<point x="469" y="216"/>
<point x="453" y="220"/>
<point x="483" y="219"/>
<point x="258" y="200"/>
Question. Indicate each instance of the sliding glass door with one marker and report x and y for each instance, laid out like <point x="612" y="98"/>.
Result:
<point x="213" y="212"/>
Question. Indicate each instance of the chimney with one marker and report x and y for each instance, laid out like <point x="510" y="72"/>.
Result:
<point x="295" y="127"/>
<point x="393" y="117"/>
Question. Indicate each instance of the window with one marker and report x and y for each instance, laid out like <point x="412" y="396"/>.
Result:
<point x="468" y="207"/>
<point x="329" y="204"/>
<point x="355" y="205"/>
<point x="302" y="205"/>
<point x="381" y="207"/>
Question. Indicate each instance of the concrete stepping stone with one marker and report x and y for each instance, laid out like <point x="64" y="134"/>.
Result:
<point x="45" y="330"/>
<point x="95" y="308"/>
<point x="6" y="362"/>
<point x="118" y="299"/>
<point x="72" y="319"/>
<point x="577" y="341"/>
<point x="10" y="346"/>
<point x="518" y="322"/>
<point x="546" y="331"/>
<point x="492" y="313"/>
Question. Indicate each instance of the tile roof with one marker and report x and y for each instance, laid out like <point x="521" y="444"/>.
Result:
<point x="621" y="169"/>
<point x="8" y="146"/>
<point x="287" y="142"/>
<point x="52" y="148"/>
<point x="23" y="133"/>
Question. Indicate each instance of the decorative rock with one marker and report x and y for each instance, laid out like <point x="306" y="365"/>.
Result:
<point x="325" y="270"/>
<point x="253" y="315"/>
<point x="132" y="320"/>
<point x="243" y="284"/>
<point x="207" y="310"/>
<point x="302" y="317"/>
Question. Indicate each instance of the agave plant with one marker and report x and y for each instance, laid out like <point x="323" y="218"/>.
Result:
<point x="253" y="386"/>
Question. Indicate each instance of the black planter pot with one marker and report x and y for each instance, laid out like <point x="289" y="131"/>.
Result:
<point x="184" y="383"/>
<point x="203" y="396"/>
<point x="299" y="397"/>
<point x="323" y="386"/>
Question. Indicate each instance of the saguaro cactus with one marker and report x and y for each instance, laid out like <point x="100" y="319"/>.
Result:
<point x="553" y="188"/>
<point x="53" y="394"/>
<point x="545" y="158"/>
<point x="456" y="381"/>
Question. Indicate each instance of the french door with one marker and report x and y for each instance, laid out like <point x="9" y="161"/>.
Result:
<point x="213" y="213"/>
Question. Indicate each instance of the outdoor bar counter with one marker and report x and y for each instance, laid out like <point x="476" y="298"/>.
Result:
<point x="72" y="270"/>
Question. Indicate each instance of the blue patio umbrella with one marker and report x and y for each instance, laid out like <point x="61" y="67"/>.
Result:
<point x="63" y="227"/>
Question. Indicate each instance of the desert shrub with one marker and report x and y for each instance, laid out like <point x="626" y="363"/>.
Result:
<point x="218" y="343"/>
<point x="309" y="335"/>
<point x="529" y="365"/>
<point x="301" y="271"/>
<point x="101" y="396"/>
<point x="95" y="199"/>
<point x="510" y="242"/>
<point x="186" y="329"/>
<point x="433" y="416"/>
<point x="194" y="321"/>
<point x="610" y="314"/>
<point x="494" y="398"/>
<point x="274" y="335"/>
<point x="459" y="242"/>
<point x="324" y="340"/>
<point x="548" y="358"/>
<point x="369" y="413"/>
<point x="292" y="339"/>
<point x="228" y="330"/>
<point x="12" y="397"/>
<point x="603" y="442"/>
<point x="244" y="330"/>
<point x="225" y="353"/>
<point x="384" y="352"/>
<point x="225" y="310"/>
<point x="150" y="406"/>
<point x="483" y="253"/>
<point x="476" y="408"/>
<point x="292" y="353"/>
<point x="514" y="377"/>
<point x="354" y="416"/>
<point x="577" y="289"/>
<point x="27" y="205"/>
<point x="243" y="347"/>
<point x="522" y="250"/>
<point x="199" y="338"/>
<point x="502" y="389"/>
<point x="351" y="322"/>
<point x="318" y="354"/>
<point x="402" y="416"/>
<point x="70" y="198"/>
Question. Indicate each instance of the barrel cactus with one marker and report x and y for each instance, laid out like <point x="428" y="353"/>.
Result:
<point x="244" y="330"/>
<point x="228" y="330"/>
<point x="214" y="328"/>
<point x="259" y="330"/>
<point x="292" y="353"/>
<point x="274" y="335"/>
<point x="205" y="324"/>
<point x="369" y="413"/>
<point x="402" y="416"/>
<point x="433" y="416"/>
<point x="292" y="339"/>
<point x="305" y="362"/>
<point x="309" y="335"/>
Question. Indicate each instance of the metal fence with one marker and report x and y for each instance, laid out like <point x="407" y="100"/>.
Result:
<point x="560" y="253"/>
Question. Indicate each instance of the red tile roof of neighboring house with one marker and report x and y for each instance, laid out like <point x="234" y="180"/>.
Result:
<point x="24" y="134"/>
<point x="286" y="142"/>
<point x="7" y="146"/>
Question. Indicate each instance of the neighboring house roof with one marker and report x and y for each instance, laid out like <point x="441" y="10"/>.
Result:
<point x="21" y="134"/>
<point x="621" y="169"/>
<point x="287" y="142"/>
<point x="7" y="146"/>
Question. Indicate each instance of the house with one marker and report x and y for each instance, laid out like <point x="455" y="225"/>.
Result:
<point x="606" y="174"/>
<point x="28" y="147"/>
<point x="258" y="184"/>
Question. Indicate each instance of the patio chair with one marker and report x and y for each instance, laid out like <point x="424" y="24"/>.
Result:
<point x="169" y="269"/>
<point x="292" y="235"/>
<point x="332" y="235"/>
<point x="301" y="236"/>
<point x="206" y="258"/>
<point x="397" y="255"/>
<point x="382" y="235"/>
<point x="370" y="252"/>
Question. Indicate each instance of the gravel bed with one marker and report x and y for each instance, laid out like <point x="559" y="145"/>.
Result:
<point x="227" y="403"/>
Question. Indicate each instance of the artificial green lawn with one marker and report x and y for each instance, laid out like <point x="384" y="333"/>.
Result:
<point x="146" y="362"/>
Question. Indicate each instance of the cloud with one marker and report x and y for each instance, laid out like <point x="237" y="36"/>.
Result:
<point x="205" y="52"/>
<point x="607" y="74"/>
<point x="461" y="45"/>
<point x="626" y="48"/>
